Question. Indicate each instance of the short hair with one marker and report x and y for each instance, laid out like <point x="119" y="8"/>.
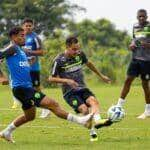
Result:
<point x="15" y="31"/>
<point x="142" y="11"/>
<point x="71" y="40"/>
<point x="28" y="20"/>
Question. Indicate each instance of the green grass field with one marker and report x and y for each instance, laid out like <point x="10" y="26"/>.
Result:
<point x="57" y="134"/>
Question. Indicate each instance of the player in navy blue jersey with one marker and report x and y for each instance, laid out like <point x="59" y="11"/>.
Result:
<point x="68" y="70"/>
<point x="23" y="90"/>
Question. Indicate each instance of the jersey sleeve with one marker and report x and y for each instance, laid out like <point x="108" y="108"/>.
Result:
<point x="84" y="58"/>
<point x="55" y="69"/>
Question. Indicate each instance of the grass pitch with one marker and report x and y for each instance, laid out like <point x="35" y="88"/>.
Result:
<point x="57" y="134"/>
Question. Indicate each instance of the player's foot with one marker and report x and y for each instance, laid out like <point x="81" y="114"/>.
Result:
<point x="144" y="116"/>
<point x="94" y="137"/>
<point x="102" y="123"/>
<point x="87" y="120"/>
<point x="15" y="105"/>
<point x="45" y="113"/>
<point x="7" y="136"/>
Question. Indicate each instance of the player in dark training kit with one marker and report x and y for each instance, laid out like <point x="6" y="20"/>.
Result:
<point x="140" y="63"/>
<point x="67" y="69"/>
<point x="23" y="90"/>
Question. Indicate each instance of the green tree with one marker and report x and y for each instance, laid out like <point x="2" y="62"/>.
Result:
<point x="48" y="14"/>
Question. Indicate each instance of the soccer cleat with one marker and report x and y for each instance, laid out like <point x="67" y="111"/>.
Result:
<point x="15" y="105"/>
<point x="102" y="123"/>
<point x="144" y="116"/>
<point x="7" y="136"/>
<point x="94" y="137"/>
<point x="45" y="113"/>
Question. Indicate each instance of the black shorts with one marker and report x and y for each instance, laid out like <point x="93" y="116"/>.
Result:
<point x="77" y="98"/>
<point x="28" y="97"/>
<point x="139" y="67"/>
<point x="35" y="77"/>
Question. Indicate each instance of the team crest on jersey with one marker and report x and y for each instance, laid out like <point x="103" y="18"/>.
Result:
<point x="37" y="95"/>
<point x="77" y="58"/>
<point x="75" y="102"/>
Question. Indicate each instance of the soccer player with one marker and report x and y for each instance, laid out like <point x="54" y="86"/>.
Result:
<point x="23" y="90"/>
<point x="67" y="70"/>
<point x="34" y="49"/>
<point x="140" y="63"/>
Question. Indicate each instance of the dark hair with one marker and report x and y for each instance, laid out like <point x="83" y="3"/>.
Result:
<point x="70" y="40"/>
<point x="142" y="11"/>
<point x="28" y="20"/>
<point x="15" y="31"/>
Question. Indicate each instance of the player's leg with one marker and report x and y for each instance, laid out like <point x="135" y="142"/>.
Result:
<point x="77" y="103"/>
<point x="145" y="77"/>
<point x="84" y="109"/>
<point x="52" y="105"/>
<point x="28" y="115"/>
<point x="125" y="90"/>
<point x="93" y="103"/>
<point x="35" y="77"/>
<point x="132" y="72"/>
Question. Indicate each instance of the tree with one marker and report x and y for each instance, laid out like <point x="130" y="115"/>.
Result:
<point x="48" y="14"/>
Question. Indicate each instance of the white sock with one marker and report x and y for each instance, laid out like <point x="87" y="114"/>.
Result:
<point x="92" y="131"/>
<point x="121" y="102"/>
<point x="147" y="108"/>
<point x="80" y="120"/>
<point x="11" y="127"/>
<point x="96" y="117"/>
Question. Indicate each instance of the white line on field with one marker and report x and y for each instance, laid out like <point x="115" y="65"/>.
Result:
<point x="59" y="127"/>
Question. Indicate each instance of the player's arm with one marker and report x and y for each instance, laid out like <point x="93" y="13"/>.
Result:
<point x="54" y="78"/>
<point x="92" y="67"/>
<point x="39" y="51"/>
<point x="8" y="51"/>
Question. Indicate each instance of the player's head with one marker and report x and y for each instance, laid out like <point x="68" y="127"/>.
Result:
<point x="142" y="16"/>
<point x="16" y="34"/>
<point x="72" y="45"/>
<point x="28" y="25"/>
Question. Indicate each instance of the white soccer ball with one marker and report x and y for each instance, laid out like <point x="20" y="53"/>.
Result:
<point x="115" y="113"/>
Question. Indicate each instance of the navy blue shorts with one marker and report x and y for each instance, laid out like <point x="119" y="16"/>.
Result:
<point x="139" y="67"/>
<point x="28" y="97"/>
<point x="35" y="77"/>
<point x="77" y="98"/>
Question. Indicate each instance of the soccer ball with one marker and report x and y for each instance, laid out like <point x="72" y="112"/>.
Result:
<point x="115" y="113"/>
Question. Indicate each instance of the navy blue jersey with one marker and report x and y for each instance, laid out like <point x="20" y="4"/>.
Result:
<point x="70" y="68"/>
<point x="32" y="42"/>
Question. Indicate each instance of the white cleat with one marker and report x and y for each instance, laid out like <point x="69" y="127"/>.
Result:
<point x="45" y="113"/>
<point x="7" y="136"/>
<point x="144" y="116"/>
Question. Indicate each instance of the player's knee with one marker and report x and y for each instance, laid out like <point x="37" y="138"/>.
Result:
<point x="83" y="109"/>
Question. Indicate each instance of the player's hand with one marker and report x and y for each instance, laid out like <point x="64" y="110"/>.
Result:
<point x="106" y="79"/>
<point x="72" y="83"/>
<point x="132" y="46"/>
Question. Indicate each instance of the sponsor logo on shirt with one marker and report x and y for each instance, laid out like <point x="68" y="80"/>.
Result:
<point x="24" y="64"/>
